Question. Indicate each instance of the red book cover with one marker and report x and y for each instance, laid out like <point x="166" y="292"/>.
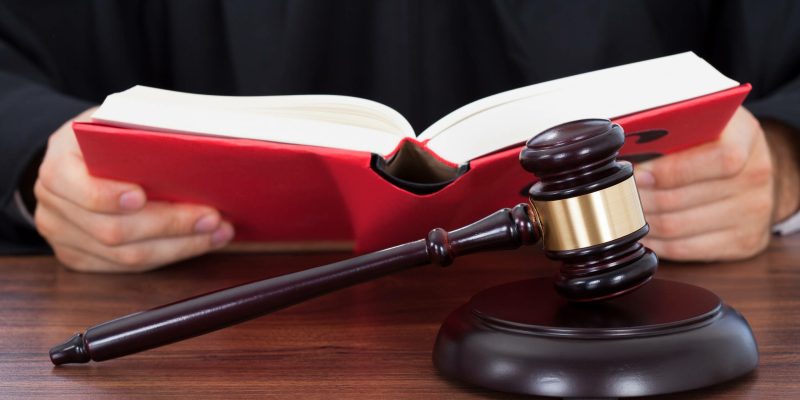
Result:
<point x="285" y="193"/>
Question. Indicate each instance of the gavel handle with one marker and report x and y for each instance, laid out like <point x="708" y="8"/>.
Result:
<point x="505" y="229"/>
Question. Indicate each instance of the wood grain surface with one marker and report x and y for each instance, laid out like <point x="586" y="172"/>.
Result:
<point x="370" y="341"/>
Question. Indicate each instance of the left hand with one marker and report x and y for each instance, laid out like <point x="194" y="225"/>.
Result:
<point x="102" y="225"/>
<point x="713" y="202"/>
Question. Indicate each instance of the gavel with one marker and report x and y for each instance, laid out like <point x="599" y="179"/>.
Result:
<point x="585" y="210"/>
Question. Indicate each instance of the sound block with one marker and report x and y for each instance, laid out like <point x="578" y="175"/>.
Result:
<point x="665" y="337"/>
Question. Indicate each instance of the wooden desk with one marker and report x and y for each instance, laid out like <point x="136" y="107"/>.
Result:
<point x="369" y="341"/>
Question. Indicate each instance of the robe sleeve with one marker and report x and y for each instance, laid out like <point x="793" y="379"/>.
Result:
<point x="759" y="42"/>
<point x="31" y="108"/>
<point x="782" y="105"/>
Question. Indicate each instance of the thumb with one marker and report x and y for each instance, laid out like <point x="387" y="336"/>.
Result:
<point x="66" y="177"/>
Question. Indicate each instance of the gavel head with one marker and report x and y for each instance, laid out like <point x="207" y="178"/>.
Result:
<point x="588" y="210"/>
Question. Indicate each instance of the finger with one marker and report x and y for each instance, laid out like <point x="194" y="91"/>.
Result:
<point x="78" y="260"/>
<point x="66" y="176"/>
<point x="714" y="246"/>
<point x="155" y="220"/>
<point x="150" y="254"/>
<point x="686" y="197"/>
<point x="723" y="158"/>
<point x="137" y="256"/>
<point x="694" y="221"/>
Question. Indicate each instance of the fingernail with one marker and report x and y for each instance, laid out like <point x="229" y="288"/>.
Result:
<point x="132" y="200"/>
<point x="206" y="224"/>
<point x="644" y="179"/>
<point x="222" y="235"/>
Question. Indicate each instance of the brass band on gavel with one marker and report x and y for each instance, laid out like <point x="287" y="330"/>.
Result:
<point x="590" y="219"/>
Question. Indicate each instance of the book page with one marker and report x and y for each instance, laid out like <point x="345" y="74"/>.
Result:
<point x="513" y="117"/>
<point x="317" y="120"/>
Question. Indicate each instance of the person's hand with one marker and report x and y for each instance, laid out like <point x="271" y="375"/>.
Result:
<point x="102" y="225"/>
<point x="716" y="201"/>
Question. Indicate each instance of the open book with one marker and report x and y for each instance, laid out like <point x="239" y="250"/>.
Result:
<point x="338" y="169"/>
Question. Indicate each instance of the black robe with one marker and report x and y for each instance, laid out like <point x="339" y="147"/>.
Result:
<point x="424" y="58"/>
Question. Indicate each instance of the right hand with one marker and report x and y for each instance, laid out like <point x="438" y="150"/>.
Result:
<point x="102" y="225"/>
